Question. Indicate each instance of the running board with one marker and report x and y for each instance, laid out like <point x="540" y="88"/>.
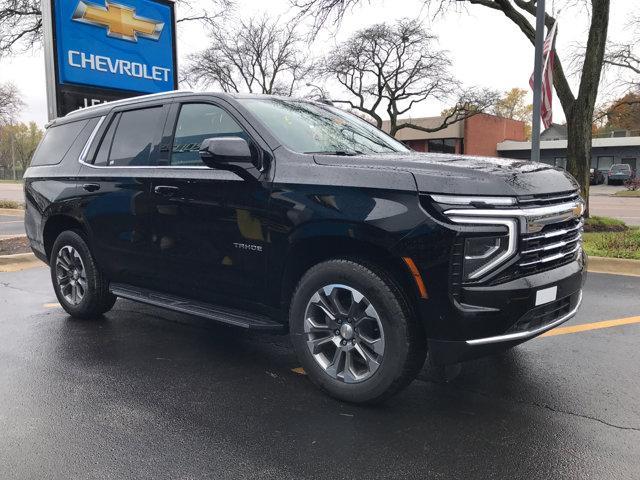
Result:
<point x="231" y="316"/>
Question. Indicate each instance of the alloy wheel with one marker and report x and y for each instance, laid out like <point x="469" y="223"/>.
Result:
<point x="71" y="275"/>
<point x="344" y="333"/>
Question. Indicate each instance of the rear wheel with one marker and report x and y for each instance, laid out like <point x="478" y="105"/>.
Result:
<point x="78" y="283"/>
<point x="354" y="331"/>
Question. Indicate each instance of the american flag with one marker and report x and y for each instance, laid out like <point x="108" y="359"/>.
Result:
<point x="546" y="111"/>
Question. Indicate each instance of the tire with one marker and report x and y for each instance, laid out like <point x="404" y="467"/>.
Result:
<point x="81" y="288"/>
<point x="382" y="327"/>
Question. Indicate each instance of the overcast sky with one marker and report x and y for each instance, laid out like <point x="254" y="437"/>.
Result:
<point x="486" y="49"/>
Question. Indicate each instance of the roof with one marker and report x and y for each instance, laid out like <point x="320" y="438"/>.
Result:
<point x="455" y="130"/>
<point x="510" y="145"/>
<point x="554" y="132"/>
<point x="104" y="108"/>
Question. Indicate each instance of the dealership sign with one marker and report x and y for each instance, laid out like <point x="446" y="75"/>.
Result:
<point x="101" y="50"/>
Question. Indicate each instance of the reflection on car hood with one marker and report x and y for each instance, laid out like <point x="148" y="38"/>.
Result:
<point x="464" y="174"/>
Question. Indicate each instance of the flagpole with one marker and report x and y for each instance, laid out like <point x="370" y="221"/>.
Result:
<point x="537" y="81"/>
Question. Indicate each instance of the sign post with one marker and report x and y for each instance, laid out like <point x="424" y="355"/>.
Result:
<point x="103" y="51"/>
<point x="537" y="82"/>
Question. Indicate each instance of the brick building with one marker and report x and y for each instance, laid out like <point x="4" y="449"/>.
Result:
<point x="477" y="135"/>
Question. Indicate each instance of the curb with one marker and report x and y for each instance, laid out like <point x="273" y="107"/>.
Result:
<point x="12" y="237"/>
<point x="616" y="266"/>
<point x="12" y="212"/>
<point x="17" y="258"/>
<point x="18" y="262"/>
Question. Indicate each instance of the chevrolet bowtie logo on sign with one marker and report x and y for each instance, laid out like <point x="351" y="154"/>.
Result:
<point x="119" y="20"/>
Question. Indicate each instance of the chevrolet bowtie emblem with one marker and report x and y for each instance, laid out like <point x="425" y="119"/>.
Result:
<point x="119" y="20"/>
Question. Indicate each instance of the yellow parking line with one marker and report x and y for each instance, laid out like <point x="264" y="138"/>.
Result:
<point x="51" y="305"/>
<point x="591" y="326"/>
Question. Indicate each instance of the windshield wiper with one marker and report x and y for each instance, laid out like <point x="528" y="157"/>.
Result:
<point x="342" y="153"/>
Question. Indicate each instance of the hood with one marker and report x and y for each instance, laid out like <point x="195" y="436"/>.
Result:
<point x="464" y="174"/>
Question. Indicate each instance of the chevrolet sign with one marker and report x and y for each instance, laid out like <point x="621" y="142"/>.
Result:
<point x="119" y="20"/>
<point x="103" y="50"/>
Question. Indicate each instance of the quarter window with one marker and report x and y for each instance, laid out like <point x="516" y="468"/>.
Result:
<point x="197" y="122"/>
<point x="57" y="142"/>
<point x="134" y="137"/>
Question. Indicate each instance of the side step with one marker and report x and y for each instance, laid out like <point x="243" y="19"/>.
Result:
<point x="231" y="316"/>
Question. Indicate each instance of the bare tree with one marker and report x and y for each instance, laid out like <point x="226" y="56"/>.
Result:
<point x="20" y="25"/>
<point x="21" y="21"/>
<point x="394" y="68"/>
<point x="10" y="103"/>
<point x="578" y="108"/>
<point x="257" y="55"/>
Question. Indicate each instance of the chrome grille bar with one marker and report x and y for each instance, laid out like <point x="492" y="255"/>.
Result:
<point x="551" y="258"/>
<point x="552" y="246"/>
<point x="555" y="233"/>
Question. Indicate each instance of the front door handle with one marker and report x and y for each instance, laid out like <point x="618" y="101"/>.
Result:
<point x="91" y="187"/>
<point x="166" y="190"/>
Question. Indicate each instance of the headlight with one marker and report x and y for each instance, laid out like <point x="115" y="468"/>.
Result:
<point x="480" y="252"/>
<point x="483" y="254"/>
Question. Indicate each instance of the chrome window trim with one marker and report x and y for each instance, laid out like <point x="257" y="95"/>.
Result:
<point x="511" y="225"/>
<point x="529" y="333"/>
<point x="85" y="150"/>
<point x="83" y="156"/>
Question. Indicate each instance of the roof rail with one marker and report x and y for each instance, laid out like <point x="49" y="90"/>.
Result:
<point x="126" y="100"/>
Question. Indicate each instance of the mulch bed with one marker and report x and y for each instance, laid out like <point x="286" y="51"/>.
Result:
<point x="12" y="246"/>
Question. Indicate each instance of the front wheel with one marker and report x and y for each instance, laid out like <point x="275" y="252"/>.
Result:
<point x="354" y="331"/>
<point x="81" y="288"/>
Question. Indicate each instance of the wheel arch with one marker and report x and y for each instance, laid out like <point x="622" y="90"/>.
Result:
<point x="310" y="251"/>
<point x="54" y="226"/>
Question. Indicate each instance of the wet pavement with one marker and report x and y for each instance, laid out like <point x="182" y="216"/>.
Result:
<point x="11" y="225"/>
<point x="145" y="393"/>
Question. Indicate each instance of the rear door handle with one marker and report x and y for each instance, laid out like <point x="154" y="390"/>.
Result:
<point x="91" y="187"/>
<point x="166" y="190"/>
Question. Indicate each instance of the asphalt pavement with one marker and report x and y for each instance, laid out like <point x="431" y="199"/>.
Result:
<point x="626" y="209"/>
<point x="11" y="191"/>
<point x="144" y="393"/>
<point x="11" y="225"/>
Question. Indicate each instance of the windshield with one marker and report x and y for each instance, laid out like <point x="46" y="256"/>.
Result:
<point x="312" y="128"/>
<point x="621" y="167"/>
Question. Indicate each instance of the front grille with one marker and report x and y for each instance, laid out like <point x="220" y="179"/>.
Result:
<point x="550" y="235"/>
<point x="555" y="245"/>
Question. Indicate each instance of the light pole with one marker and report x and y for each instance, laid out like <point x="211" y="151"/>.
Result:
<point x="13" y="155"/>
<point x="537" y="81"/>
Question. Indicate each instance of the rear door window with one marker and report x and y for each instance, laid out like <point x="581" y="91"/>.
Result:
<point x="136" y="134"/>
<point x="197" y="122"/>
<point x="58" y="140"/>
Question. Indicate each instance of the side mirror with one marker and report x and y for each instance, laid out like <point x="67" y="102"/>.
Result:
<point x="216" y="151"/>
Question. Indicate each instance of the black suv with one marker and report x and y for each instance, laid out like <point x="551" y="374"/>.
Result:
<point x="280" y="214"/>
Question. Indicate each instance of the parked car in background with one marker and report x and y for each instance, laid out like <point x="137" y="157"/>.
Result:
<point x="596" y="177"/>
<point x="619" y="173"/>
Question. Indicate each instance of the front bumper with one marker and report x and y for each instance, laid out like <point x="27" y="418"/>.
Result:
<point x="493" y="318"/>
